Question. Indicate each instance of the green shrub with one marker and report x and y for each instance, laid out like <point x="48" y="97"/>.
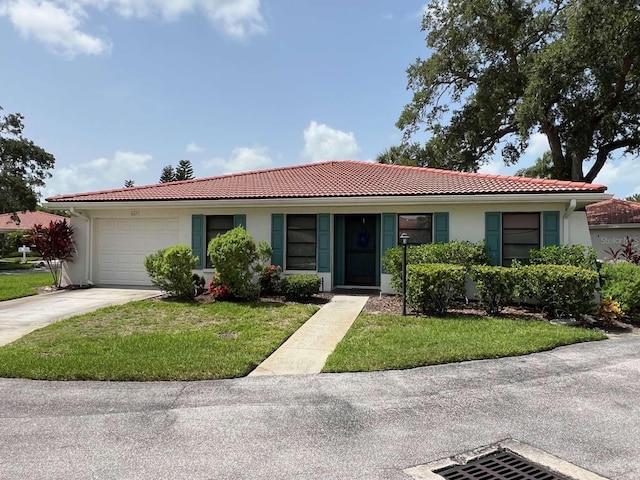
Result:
<point x="495" y="286"/>
<point x="236" y="258"/>
<point x="300" y="286"/>
<point x="10" y="242"/>
<point x="432" y="286"/>
<point x="559" y="290"/>
<point x="621" y="282"/>
<point x="455" y="252"/>
<point x="270" y="279"/>
<point x="170" y="269"/>
<point x="574" y="255"/>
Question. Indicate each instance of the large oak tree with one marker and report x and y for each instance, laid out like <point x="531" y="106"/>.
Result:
<point x="24" y="166"/>
<point x="501" y="70"/>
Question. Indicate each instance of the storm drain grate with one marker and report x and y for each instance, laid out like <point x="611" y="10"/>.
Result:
<point x="502" y="465"/>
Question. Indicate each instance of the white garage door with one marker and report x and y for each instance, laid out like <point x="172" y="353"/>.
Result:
<point x="122" y="245"/>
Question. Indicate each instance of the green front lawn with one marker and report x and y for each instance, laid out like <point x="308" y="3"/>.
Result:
<point x="22" y="285"/>
<point x="153" y="340"/>
<point x="385" y="342"/>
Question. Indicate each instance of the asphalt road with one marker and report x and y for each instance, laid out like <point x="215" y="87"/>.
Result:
<point x="580" y="403"/>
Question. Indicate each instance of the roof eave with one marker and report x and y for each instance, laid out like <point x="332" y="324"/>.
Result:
<point x="582" y="199"/>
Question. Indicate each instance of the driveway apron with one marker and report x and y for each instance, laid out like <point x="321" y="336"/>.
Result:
<point x="24" y="315"/>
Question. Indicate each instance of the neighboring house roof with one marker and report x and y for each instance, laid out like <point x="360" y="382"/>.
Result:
<point x="613" y="212"/>
<point x="346" y="178"/>
<point x="27" y="220"/>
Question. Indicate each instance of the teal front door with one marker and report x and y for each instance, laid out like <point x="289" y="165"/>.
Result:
<point x="361" y="250"/>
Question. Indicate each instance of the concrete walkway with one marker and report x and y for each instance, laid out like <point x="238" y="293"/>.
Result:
<point x="24" y="315"/>
<point x="307" y="350"/>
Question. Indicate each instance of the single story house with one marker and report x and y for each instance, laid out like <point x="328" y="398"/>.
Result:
<point x="28" y="220"/>
<point x="611" y="222"/>
<point x="335" y="219"/>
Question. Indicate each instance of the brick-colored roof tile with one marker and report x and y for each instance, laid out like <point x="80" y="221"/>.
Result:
<point x="613" y="212"/>
<point x="27" y="220"/>
<point x="346" y="178"/>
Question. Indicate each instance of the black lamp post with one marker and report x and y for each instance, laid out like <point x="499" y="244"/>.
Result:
<point x="404" y="238"/>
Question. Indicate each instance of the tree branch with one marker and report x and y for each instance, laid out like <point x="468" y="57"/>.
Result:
<point x="603" y="154"/>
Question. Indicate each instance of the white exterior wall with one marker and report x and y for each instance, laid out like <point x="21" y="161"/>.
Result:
<point x="466" y="222"/>
<point x="77" y="272"/>
<point x="612" y="237"/>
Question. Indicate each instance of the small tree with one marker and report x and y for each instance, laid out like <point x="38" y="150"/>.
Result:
<point x="55" y="244"/>
<point x="184" y="170"/>
<point x="168" y="174"/>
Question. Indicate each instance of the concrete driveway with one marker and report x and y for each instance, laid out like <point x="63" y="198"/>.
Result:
<point x="23" y="315"/>
<point x="580" y="403"/>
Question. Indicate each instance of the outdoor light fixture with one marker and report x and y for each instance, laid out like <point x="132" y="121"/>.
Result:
<point x="404" y="238"/>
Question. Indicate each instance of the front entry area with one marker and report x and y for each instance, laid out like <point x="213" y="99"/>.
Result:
<point x="357" y="259"/>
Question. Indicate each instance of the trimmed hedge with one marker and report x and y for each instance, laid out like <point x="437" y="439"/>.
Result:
<point x="560" y="290"/>
<point x="431" y="287"/>
<point x="455" y="252"/>
<point x="496" y="286"/>
<point x="574" y="255"/>
<point x="621" y="282"/>
<point x="300" y="286"/>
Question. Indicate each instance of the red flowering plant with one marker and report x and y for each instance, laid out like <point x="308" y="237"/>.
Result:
<point x="270" y="278"/>
<point x="218" y="290"/>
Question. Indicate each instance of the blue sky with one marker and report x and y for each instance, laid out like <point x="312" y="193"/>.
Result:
<point x="117" y="89"/>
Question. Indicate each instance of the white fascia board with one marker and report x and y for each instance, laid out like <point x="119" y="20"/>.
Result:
<point x="496" y="199"/>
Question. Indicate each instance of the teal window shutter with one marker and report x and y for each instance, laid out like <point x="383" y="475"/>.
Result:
<point x="441" y="227"/>
<point x="197" y="239"/>
<point x="493" y="236"/>
<point x="323" y="233"/>
<point x="389" y="233"/>
<point x="240" y="221"/>
<point x="550" y="228"/>
<point x="277" y="239"/>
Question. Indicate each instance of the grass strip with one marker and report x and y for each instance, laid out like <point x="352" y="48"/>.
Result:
<point x="20" y="285"/>
<point x="152" y="340"/>
<point x="387" y="342"/>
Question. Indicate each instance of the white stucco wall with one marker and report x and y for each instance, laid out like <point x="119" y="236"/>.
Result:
<point x="466" y="222"/>
<point x="612" y="237"/>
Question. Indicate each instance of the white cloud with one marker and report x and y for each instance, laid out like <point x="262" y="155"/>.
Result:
<point x="494" y="167"/>
<point x="242" y="159"/>
<point x="620" y="175"/>
<point x="57" y="23"/>
<point x="193" y="147"/>
<point x="322" y="142"/>
<point x="98" y="174"/>
<point x="54" y="24"/>
<point x="538" y="145"/>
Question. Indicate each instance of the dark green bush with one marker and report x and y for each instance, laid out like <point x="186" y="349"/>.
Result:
<point x="559" y="290"/>
<point x="432" y="286"/>
<point x="270" y="279"/>
<point x="300" y="286"/>
<point x="621" y="282"/>
<point x="170" y="269"/>
<point x="574" y="255"/>
<point x="455" y="252"/>
<point x="10" y="242"/>
<point x="236" y="258"/>
<point x="495" y="286"/>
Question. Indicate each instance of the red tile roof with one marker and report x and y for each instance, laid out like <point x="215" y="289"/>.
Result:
<point x="27" y="220"/>
<point x="346" y="178"/>
<point x="613" y="212"/>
